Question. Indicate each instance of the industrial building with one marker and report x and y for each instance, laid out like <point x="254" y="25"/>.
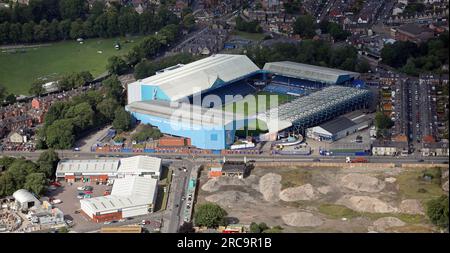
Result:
<point x="87" y="170"/>
<point x="340" y="127"/>
<point x="141" y="165"/>
<point x="103" y="170"/>
<point x="130" y="196"/>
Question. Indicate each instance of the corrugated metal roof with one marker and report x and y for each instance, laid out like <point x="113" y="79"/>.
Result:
<point x="126" y="192"/>
<point x="307" y="72"/>
<point x="88" y="166"/>
<point x="202" y="74"/>
<point x="139" y="164"/>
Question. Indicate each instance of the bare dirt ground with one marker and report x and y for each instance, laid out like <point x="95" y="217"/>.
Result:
<point x="303" y="199"/>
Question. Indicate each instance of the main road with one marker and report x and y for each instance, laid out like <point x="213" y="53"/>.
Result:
<point x="69" y="154"/>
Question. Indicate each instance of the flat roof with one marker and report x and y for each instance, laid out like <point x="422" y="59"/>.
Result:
<point x="307" y="72"/>
<point x="337" y="125"/>
<point x="203" y="74"/>
<point x="88" y="166"/>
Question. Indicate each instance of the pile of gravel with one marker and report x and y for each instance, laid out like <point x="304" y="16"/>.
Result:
<point x="214" y="184"/>
<point x="411" y="206"/>
<point x="301" y="219"/>
<point x="360" y="182"/>
<point x="270" y="187"/>
<point x="366" y="204"/>
<point x="304" y="192"/>
<point x="384" y="223"/>
<point x="390" y="180"/>
<point x="324" y="189"/>
<point x="230" y="198"/>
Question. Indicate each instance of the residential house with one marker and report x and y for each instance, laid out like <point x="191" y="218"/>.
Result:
<point x="389" y="148"/>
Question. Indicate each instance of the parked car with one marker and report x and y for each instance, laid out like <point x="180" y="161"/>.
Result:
<point x="56" y="201"/>
<point x="80" y="188"/>
<point x="56" y="184"/>
<point x="107" y="222"/>
<point x="122" y="220"/>
<point x="88" y="188"/>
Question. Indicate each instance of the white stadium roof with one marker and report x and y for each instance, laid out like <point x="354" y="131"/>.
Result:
<point x="88" y="166"/>
<point x="139" y="164"/>
<point x="307" y="72"/>
<point x="202" y="74"/>
<point x="185" y="113"/>
<point x="126" y="193"/>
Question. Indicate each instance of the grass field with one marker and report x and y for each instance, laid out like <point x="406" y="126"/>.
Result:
<point x="248" y="107"/>
<point x="249" y="36"/>
<point x="411" y="185"/>
<point x="18" y="70"/>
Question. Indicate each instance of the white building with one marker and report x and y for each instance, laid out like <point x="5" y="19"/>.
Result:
<point x="25" y="200"/>
<point x="146" y="166"/>
<point x="130" y="196"/>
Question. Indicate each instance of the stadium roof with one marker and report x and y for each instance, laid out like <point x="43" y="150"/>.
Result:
<point x="126" y="192"/>
<point x="184" y="113"/>
<point x="308" y="72"/>
<point x="139" y="164"/>
<point x="318" y="106"/>
<point x="88" y="166"/>
<point x="202" y="74"/>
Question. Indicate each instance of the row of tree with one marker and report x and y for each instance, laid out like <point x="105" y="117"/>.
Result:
<point x="149" y="48"/>
<point x="306" y="26"/>
<point x="414" y="59"/>
<point x="67" y="121"/>
<point x="250" y="27"/>
<point x="24" y="174"/>
<point x="109" y="22"/>
<point x="311" y="52"/>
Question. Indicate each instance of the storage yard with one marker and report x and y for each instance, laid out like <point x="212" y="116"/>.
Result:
<point x="302" y="199"/>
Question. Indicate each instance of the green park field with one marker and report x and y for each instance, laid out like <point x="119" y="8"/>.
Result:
<point x="20" y="67"/>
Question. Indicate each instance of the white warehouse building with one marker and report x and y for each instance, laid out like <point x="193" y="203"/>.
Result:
<point x="130" y="196"/>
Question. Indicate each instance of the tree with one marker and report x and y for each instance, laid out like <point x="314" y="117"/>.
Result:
<point x="36" y="183"/>
<point x="305" y="26"/>
<point x="254" y="228"/>
<point x="146" y="133"/>
<point x="60" y="134"/>
<point x="36" y="89"/>
<point x="10" y="99"/>
<point x="72" y="9"/>
<point x="382" y="121"/>
<point x="19" y="170"/>
<point x="362" y="66"/>
<point x="82" y="115"/>
<point x="116" y="65"/>
<point x="113" y="88"/>
<point x="122" y="120"/>
<point x="7" y="187"/>
<point x="186" y="227"/>
<point x="189" y="21"/>
<point x="48" y="160"/>
<point x="209" y="215"/>
<point x="108" y="108"/>
<point x="437" y="211"/>
<point x="2" y="93"/>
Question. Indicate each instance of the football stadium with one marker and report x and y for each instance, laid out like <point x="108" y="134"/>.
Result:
<point x="209" y="101"/>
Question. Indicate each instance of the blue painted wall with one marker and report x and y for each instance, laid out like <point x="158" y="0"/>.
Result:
<point x="148" y="91"/>
<point x="201" y="138"/>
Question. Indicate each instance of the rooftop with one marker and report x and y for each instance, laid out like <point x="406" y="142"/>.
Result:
<point x="88" y="166"/>
<point x="230" y="166"/>
<point x="308" y="72"/>
<point x="337" y="125"/>
<point x="126" y="192"/>
<point x="202" y="75"/>
<point x="139" y="164"/>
